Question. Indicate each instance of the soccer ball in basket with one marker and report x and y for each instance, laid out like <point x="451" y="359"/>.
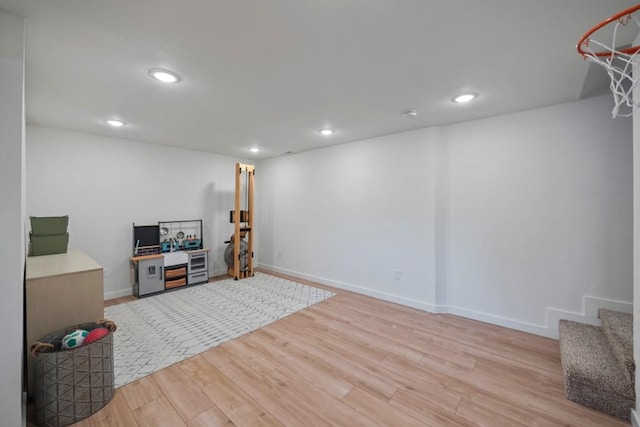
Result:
<point x="74" y="339"/>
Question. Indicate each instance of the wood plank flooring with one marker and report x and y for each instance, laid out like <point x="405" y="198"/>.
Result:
<point x="356" y="361"/>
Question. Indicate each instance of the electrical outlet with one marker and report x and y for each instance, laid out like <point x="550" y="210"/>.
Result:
<point x="397" y="274"/>
<point x="279" y="254"/>
<point x="106" y="272"/>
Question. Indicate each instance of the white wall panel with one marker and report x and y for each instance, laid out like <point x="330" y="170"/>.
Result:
<point x="498" y="219"/>
<point x="540" y="210"/>
<point x="354" y="214"/>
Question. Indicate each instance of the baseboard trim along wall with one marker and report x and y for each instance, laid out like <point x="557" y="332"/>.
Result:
<point x="118" y="294"/>
<point x="421" y="305"/>
<point x="502" y="321"/>
<point x="589" y="315"/>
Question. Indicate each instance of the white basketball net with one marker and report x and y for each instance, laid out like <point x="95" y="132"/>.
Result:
<point x="619" y="66"/>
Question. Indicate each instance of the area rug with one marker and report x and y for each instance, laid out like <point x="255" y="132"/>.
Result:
<point x="158" y="331"/>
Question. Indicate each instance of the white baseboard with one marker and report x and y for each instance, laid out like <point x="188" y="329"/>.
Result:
<point x="554" y="315"/>
<point x="635" y="422"/>
<point x="421" y="305"/>
<point x="550" y="329"/>
<point x="218" y="272"/>
<point x="118" y="294"/>
<point x="503" y="321"/>
<point x="409" y="302"/>
<point x="589" y="314"/>
<point x="592" y="304"/>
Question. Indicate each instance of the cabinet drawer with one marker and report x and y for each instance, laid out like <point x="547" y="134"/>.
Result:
<point x="169" y="284"/>
<point x="175" y="272"/>
<point x="198" y="278"/>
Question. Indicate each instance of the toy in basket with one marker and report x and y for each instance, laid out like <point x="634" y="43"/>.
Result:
<point x="95" y="335"/>
<point x="74" y="339"/>
<point x="83" y="337"/>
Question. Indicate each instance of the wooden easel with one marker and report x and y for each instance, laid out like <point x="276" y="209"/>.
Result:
<point x="243" y="221"/>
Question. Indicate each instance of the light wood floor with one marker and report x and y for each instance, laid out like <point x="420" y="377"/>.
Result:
<point x="356" y="361"/>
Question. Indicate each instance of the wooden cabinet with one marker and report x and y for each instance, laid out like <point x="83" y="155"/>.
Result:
<point x="175" y="276"/>
<point x="61" y="290"/>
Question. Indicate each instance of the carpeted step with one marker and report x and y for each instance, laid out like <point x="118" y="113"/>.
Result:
<point x="592" y="376"/>
<point x="618" y="328"/>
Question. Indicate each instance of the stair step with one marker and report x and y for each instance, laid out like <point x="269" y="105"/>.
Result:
<point x="592" y="375"/>
<point x="618" y="328"/>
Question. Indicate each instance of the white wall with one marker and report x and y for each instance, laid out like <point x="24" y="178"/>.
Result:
<point x="106" y="184"/>
<point x="540" y="212"/>
<point x="496" y="219"/>
<point x="12" y="210"/>
<point x="351" y="215"/>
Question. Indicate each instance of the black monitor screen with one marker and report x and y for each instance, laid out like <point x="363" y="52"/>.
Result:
<point x="146" y="235"/>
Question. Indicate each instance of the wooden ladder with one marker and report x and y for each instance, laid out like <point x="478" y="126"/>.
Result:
<point x="243" y="221"/>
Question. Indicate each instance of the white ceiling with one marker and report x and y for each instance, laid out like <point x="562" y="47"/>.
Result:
<point x="271" y="73"/>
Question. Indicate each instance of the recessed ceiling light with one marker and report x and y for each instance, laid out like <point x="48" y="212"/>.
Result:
<point x="115" y="123"/>
<point x="464" y="98"/>
<point x="254" y="149"/>
<point x="327" y="132"/>
<point x="411" y="114"/>
<point x="164" y="76"/>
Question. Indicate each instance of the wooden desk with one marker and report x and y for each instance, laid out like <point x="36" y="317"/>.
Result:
<point x="62" y="290"/>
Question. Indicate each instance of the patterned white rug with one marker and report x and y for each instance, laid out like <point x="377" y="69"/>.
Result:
<point x="158" y="331"/>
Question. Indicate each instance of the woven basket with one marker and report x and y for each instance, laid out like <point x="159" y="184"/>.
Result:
<point x="71" y="385"/>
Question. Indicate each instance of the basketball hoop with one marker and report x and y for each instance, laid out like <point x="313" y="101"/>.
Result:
<point x="617" y="61"/>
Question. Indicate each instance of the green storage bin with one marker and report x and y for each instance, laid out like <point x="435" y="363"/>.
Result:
<point x="49" y="225"/>
<point x="48" y="245"/>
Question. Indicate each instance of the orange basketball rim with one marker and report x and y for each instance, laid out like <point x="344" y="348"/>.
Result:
<point x="621" y="18"/>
